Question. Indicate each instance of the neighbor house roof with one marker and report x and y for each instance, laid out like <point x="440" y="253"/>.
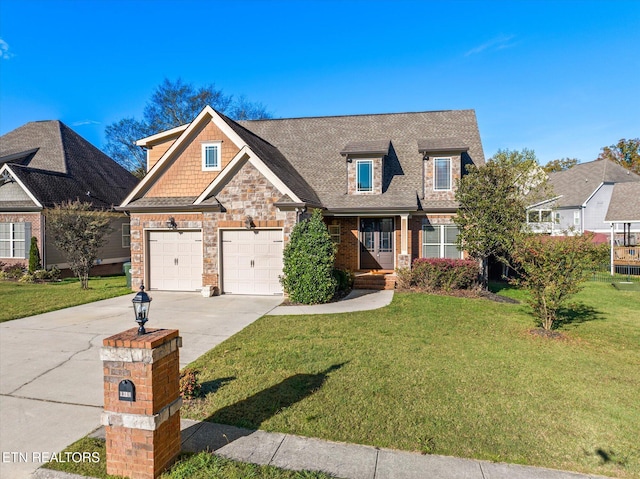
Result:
<point x="56" y="164"/>
<point x="624" y="206"/>
<point x="316" y="148"/>
<point x="575" y="185"/>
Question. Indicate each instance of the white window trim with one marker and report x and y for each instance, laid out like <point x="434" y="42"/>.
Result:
<point x="218" y="167"/>
<point x="334" y="232"/>
<point x="126" y="235"/>
<point x="12" y="241"/>
<point x="358" y="190"/>
<point x="441" y="244"/>
<point x="435" y="182"/>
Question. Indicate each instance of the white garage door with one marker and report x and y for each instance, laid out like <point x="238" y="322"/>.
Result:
<point x="175" y="260"/>
<point x="251" y="261"/>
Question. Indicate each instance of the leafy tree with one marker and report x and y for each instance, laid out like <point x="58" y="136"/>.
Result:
<point x="172" y="104"/>
<point x="34" y="255"/>
<point x="552" y="269"/>
<point x="625" y="153"/>
<point x="79" y="231"/>
<point x="308" y="262"/>
<point x="492" y="204"/>
<point x="562" y="164"/>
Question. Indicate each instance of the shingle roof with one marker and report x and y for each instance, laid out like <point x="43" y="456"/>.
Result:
<point x="313" y="145"/>
<point x="577" y="184"/>
<point x="277" y="162"/>
<point x="57" y="164"/>
<point x="625" y="202"/>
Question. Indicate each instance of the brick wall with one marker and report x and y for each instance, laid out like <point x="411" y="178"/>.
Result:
<point x="142" y="436"/>
<point x="347" y="254"/>
<point x="36" y="225"/>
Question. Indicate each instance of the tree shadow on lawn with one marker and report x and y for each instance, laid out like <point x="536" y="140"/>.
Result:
<point x="577" y="313"/>
<point x="254" y="410"/>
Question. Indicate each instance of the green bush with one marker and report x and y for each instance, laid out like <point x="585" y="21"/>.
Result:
<point x="34" y="255"/>
<point x="434" y="274"/>
<point x="308" y="262"/>
<point x="344" y="279"/>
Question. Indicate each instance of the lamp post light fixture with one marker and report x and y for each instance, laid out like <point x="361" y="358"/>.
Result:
<point x="141" y="304"/>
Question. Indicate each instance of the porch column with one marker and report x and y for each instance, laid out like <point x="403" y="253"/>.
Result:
<point x="613" y="268"/>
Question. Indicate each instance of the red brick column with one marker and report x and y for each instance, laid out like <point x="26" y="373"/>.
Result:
<point x="143" y="434"/>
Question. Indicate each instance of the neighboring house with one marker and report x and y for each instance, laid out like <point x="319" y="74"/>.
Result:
<point x="220" y="197"/>
<point x="581" y="198"/>
<point x="44" y="163"/>
<point x="624" y="213"/>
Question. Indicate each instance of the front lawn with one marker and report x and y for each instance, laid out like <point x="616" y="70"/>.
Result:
<point x="19" y="300"/>
<point x="443" y="375"/>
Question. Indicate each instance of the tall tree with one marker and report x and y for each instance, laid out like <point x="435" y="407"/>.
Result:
<point x="172" y="104"/>
<point x="492" y="204"/>
<point x="79" y="231"/>
<point x="625" y="153"/>
<point x="561" y="164"/>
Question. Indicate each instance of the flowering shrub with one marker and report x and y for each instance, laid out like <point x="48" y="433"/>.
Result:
<point x="440" y="274"/>
<point x="190" y="386"/>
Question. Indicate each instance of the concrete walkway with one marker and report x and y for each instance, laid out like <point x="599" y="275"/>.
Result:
<point x="357" y="300"/>
<point x="51" y="391"/>
<point x="346" y="461"/>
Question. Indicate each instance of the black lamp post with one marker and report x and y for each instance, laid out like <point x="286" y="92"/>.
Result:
<point x="141" y="304"/>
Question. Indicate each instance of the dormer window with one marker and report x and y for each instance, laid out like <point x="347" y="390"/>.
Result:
<point x="442" y="173"/>
<point x="364" y="176"/>
<point x="211" y="156"/>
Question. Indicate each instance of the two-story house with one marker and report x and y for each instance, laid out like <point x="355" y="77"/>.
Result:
<point x="220" y="197"/>
<point x="580" y="199"/>
<point x="44" y="163"/>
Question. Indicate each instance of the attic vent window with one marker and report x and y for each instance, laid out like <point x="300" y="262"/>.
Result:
<point x="211" y="156"/>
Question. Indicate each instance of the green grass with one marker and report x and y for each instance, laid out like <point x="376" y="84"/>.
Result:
<point x="197" y="466"/>
<point x="24" y="299"/>
<point x="444" y="375"/>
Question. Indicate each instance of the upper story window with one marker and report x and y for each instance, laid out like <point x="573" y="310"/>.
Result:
<point x="364" y="176"/>
<point x="211" y="153"/>
<point x="442" y="173"/>
<point x="13" y="240"/>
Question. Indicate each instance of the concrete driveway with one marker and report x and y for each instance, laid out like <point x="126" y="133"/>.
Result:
<point x="51" y="391"/>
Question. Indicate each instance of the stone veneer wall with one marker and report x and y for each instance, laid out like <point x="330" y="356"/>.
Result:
<point x="248" y="193"/>
<point x="352" y="185"/>
<point x="456" y="172"/>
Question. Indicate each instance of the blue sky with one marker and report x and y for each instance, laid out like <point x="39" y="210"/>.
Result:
<point x="559" y="77"/>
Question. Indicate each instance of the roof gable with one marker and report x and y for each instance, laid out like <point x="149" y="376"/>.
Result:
<point x="624" y="206"/>
<point x="577" y="184"/>
<point x="56" y="164"/>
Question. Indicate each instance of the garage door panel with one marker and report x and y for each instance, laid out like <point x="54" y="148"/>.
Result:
<point x="175" y="260"/>
<point x="251" y="261"/>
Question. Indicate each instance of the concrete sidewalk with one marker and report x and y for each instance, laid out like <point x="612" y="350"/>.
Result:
<point x="345" y="461"/>
<point x="357" y="300"/>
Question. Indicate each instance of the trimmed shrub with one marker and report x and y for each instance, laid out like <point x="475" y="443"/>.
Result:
<point x="308" y="262"/>
<point x="14" y="271"/>
<point x="34" y="255"/>
<point x="440" y="274"/>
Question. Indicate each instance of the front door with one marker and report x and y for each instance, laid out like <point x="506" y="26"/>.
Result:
<point x="376" y="243"/>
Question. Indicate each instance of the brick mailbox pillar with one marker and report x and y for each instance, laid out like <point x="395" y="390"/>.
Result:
<point x="141" y="401"/>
